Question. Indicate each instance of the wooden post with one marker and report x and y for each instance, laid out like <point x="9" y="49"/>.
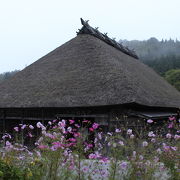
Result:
<point x="109" y="121"/>
<point x="42" y="115"/>
<point x="22" y="122"/>
<point x="4" y="121"/>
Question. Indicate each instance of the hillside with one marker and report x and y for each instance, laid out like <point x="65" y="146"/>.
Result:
<point x="153" y="48"/>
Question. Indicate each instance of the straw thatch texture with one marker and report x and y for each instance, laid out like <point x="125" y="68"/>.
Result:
<point x="87" y="72"/>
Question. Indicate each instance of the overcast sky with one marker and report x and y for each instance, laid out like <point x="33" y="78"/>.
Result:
<point x="29" y="29"/>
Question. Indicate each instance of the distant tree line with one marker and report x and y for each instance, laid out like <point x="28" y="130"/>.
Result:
<point x="163" y="64"/>
<point x="7" y="75"/>
<point x="163" y="56"/>
<point x="152" y="48"/>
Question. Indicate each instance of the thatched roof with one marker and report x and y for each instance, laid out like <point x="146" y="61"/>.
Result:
<point x="87" y="71"/>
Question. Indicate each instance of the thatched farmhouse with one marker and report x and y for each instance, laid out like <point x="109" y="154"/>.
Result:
<point x="91" y="76"/>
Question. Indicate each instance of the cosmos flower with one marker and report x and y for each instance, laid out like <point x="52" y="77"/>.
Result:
<point x="71" y="121"/>
<point x="145" y="143"/>
<point x="123" y="165"/>
<point x="31" y="126"/>
<point x="150" y="121"/>
<point x="117" y="130"/>
<point x="129" y="131"/>
<point x="168" y="135"/>
<point x="16" y="129"/>
<point x="95" y="125"/>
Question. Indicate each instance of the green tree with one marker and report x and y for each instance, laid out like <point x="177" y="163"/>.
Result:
<point x="173" y="77"/>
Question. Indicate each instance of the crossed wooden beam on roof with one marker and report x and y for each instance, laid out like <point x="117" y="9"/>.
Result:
<point x="87" y="29"/>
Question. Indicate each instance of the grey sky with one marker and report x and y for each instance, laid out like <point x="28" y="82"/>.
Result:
<point x="30" y="29"/>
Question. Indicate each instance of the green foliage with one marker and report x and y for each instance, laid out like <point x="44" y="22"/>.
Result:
<point x="164" y="64"/>
<point x="173" y="77"/>
<point x="9" y="172"/>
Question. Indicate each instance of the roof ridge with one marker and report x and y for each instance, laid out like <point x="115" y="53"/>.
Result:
<point x="87" y="29"/>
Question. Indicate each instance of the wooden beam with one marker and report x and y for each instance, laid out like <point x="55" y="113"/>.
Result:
<point x="4" y="121"/>
<point x="85" y="116"/>
<point x="22" y="122"/>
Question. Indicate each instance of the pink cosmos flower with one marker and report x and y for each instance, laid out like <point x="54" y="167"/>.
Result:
<point x="44" y="132"/>
<point x="69" y="129"/>
<point x="31" y="126"/>
<point x="23" y="126"/>
<point x="153" y="140"/>
<point x="16" y="129"/>
<point x="91" y="129"/>
<point x="77" y="134"/>
<point x="8" y="143"/>
<point x="150" y="121"/>
<point x="123" y="165"/>
<point x="62" y="124"/>
<point x="51" y="136"/>
<point x="172" y="118"/>
<point x="43" y="147"/>
<point x="72" y="139"/>
<point x="159" y="151"/>
<point x="100" y="135"/>
<point x="145" y="143"/>
<point x="38" y="153"/>
<point x="21" y="157"/>
<point x="30" y="153"/>
<point x="176" y="137"/>
<point x="77" y="125"/>
<point x="129" y="131"/>
<point x="85" y="121"/>
<point x="71" y="121"/>
<point x="56" y="145"/>
<point x="6" y="136"/>
<point x="71" y="167"/>
<point x="30" y="135"/>
<point x="117" y="130"/>
<point x="141" y="157"/>
<point x="69" y="145"/>
<point x="85" y="169"/>
<point x="95" y="125"/>
<point x="166" y="148"/>
<point x="50" y="123"/>
<point x="156" y="159"/>
<point x="94" y="155"/>
<point x="121" y="143"/>
<point x="95" y="140"/>
<point x="170" y="125"/>
<point x="104" y="159"/>
<point x="89" y="145"/>
<point x="168" y="135"/>
<point x="109" y="133"/>
<point x="151" y="134"/>
<point x="40" y="125"/>
<point x="174" y="148"/>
